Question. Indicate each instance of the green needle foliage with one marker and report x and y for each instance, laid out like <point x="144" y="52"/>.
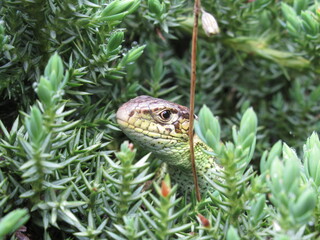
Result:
<point x="280" y="202"/>
<point x="164" y="218"/>
<point x="128" y="191"/>
<point x="66" y="66"/>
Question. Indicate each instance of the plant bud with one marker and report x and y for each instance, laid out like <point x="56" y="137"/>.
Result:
<point x="54" y="71"/>
<point x="204" y="221"/>
<point x="131" y="147"/>
<point x="209" y="24"/>
<point x="165" y="189"/>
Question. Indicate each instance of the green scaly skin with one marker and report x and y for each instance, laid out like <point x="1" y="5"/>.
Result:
<point x="161" y="127"/>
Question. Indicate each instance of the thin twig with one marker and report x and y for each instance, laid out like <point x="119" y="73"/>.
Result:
<point x="192" y="93"/>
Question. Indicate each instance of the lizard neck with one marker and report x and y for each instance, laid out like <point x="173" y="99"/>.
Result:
<point x="180" y="158"/>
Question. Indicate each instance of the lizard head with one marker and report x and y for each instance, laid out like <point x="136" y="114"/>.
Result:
<point x="157" y="125"/>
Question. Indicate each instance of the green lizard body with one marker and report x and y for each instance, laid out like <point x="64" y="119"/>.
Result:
<point x="161" y="127"/>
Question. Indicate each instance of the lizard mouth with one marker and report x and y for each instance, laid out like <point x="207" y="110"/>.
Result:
<point x="131" y="129"/>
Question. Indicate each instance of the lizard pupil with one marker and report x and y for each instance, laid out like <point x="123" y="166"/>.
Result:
<point x="165" y="114"/>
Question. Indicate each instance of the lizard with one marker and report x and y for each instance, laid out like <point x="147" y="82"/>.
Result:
<point x="161" y="127"/>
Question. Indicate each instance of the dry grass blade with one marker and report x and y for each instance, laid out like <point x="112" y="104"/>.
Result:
<point x="192" y="93"/>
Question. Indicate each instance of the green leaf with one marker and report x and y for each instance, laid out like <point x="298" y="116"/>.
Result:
<point x="257" y="209"/>
<point x="132" y="55"/>
<point x="310" y="23"/>
<point x="274" y="153"/>
<point x="115" y="41"/>
<point x="44" y="91"/>
<point x="248" y="123"/>
<point x="304" y="206"/>
<point x="311" y="158"/>
<point x="208" y="129"/>
<point x="34" y="125"/>
<point x="288" y="11"/>
<point x="115" y="17"/>
<point x="13" y="221"/>
<point x="179" y="228"/>
<point x="155" y="7"/>
<point x="232" y="234"/>
<point x="300" y="5"/>
<point x="117" y="6"/>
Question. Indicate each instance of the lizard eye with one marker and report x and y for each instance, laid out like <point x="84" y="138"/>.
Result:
<point x="165" y="115"/>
